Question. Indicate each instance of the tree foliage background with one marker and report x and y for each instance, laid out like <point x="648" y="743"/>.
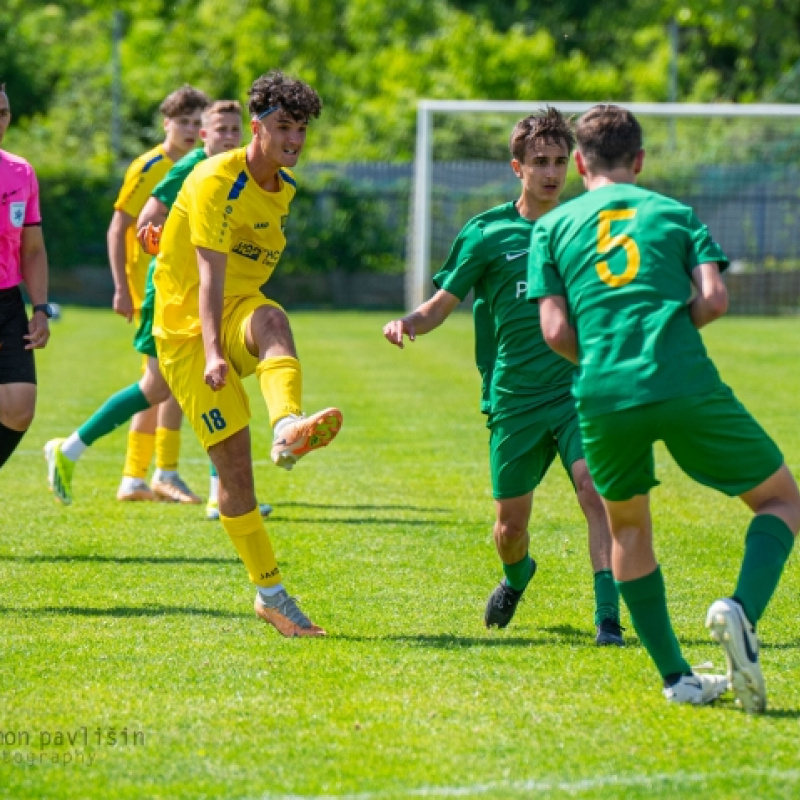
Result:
<point x="372" y="61"/>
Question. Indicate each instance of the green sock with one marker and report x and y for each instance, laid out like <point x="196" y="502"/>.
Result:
<point x="119" y="408"/>
<point x="518" y="575"/>
<point x="606" y="597"/>
<point x="646" y="599"/>
<point x="767" y="546"/>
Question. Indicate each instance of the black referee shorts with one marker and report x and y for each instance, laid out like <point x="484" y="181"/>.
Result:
<point x="16" y="363"/>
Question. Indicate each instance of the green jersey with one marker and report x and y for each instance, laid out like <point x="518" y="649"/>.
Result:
<point x="519" y="370"/>
<point x="623" y="256"/>
<point x="167" y="189"/>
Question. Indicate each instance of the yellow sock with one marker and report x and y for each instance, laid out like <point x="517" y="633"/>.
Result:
<point x="249" y="537"/>
<point x="139" y="455"/>
<point x="168" y="447"/>
<point x="281" y="382"/>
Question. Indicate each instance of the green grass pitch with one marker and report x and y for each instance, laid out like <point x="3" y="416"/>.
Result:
<point x="132" y="666"/>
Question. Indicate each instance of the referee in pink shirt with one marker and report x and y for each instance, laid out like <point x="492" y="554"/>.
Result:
<point x="23" y="259"/>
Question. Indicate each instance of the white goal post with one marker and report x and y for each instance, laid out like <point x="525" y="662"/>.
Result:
<point x="418" y="277"/>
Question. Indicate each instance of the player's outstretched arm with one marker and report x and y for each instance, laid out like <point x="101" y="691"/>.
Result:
<point x="431" y="314"/>
<point x="711" y="301"/>
<point x="556" y="328"/>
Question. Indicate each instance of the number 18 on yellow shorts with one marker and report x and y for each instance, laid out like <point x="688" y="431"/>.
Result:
<point x="214" y="416"/>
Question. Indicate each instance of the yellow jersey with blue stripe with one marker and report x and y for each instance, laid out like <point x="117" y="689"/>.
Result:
<point x="141" y="178"/>
<point x="220" y="207"/>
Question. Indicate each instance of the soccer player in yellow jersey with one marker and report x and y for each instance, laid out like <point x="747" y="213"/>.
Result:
<point x="213" y="327"/>
<point x="157" y="428"/>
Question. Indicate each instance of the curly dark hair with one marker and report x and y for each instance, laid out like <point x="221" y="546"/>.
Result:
<point x="609" y="136"/>
<point x="549" y="124"/>
<point x="291" y="95"/>
<point x="185" y="100"/>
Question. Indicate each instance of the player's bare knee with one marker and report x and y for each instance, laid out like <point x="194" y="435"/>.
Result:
<point x="779" y="496"/>
<point x="155" y="392"/>
<point x="588" y="498"/>
<point x="18" y="417"/>
<point x="271" y="332"/>
<point x="510" y="530"/>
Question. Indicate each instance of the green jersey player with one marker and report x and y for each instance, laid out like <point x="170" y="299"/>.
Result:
<point x="526" y="387"/>
<point x="624" y="278"/>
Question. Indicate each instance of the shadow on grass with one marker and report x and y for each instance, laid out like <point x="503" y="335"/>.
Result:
<point x="123" y="611"/>
<point x="787" y="645"/>
<point x="553" y="635"/>
<point x="570" y="632"/>
<point x="451" y="642"/>
<point x="367" y="507"/>
<point x="441" y="523"/>
<point x="66" y="558"/>
<point x="782" y="713"/>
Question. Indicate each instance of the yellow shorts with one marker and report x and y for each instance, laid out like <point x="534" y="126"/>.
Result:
<point x="214" y="416"/>
<point x="137" y="281"/>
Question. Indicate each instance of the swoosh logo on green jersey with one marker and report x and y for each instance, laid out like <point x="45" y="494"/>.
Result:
<point x="513" y="256"/>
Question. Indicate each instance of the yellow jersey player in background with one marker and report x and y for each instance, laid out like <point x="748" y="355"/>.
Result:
<point x="213" y="326"/>
<point x="156" y="429"/>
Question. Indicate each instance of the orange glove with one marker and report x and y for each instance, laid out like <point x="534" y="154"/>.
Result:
<point x="149" y="237"/>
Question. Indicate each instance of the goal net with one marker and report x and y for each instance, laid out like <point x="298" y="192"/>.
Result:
<point x="738" y="166"/>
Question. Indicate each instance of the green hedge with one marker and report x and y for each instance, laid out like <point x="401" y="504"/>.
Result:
<point x="76" y="211"/>
<point x="333" y="225"/>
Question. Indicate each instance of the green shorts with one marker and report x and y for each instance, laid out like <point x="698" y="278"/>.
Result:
<point x="143" y="341"/>
<point x="712" y="438"/>
<point x="522" y="447"/>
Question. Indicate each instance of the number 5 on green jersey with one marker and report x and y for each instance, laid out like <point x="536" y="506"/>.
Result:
<point x="606" y="243"/>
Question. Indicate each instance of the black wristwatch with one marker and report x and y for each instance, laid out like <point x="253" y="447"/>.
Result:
<point x="45" y="308"/>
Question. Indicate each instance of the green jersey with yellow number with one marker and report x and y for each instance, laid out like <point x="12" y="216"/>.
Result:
<point x="623" y="256"/>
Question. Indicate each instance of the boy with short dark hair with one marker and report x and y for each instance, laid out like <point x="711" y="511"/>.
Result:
<point x="614" y="272"/>
<point x="526" y="387"/>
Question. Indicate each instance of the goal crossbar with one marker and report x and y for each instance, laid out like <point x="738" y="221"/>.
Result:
<point x="420" y="273"/>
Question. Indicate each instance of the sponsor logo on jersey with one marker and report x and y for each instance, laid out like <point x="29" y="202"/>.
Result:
<point x="514" y="256"/>
<point x="248" y="250"/>
<point x="17" y="213"/>
<point x="259" y="226"/>
<point x="522" y="289"/>
<point x="272" y="256"/>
